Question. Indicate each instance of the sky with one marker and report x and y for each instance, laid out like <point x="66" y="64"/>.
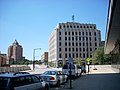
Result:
<point x="31" y="22"/>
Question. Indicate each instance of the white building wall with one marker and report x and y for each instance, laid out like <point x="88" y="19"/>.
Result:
<point x="73" y="39"/>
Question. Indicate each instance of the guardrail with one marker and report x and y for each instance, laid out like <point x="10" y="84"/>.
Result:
<point x="14" y="69"/>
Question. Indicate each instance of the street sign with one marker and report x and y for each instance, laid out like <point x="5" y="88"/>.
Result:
<point x="88" y="59"/>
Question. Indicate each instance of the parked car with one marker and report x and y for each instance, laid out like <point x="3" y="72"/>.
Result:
<point x="75" y="70"/>
<point x="54" y="77"/>
<point x="20" y="81"/>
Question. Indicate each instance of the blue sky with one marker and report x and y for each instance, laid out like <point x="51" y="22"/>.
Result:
<point x="31" y="22"/>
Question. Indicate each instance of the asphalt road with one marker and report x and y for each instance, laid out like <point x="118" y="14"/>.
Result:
<point x="94" y="82"/>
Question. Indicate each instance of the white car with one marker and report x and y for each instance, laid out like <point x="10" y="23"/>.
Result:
<point x="22" y="82"/>
<point x="54" y="77"/>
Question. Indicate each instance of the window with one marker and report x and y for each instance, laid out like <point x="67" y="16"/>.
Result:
<point x="83" y="44"/>
<point x="59" y="43"/>
<point x="87" y="49"/>
<point x="69" y="55"/>
<point x="70" y="26"/>
<point x="90" y="38"/>
<point x="69" y="44"/>
<point x="79" y="33"/>
<point x="80" y="26"/>
<point x="69" y="49"/>
<point x="77" y="26"/>
<point x="65" y="43"/>
<point x="60" y="55"/>
<point x="59" y="32"/>
<point x="90" y="49"/>
<point x="76" y="33"/>
<point x="72" y="49"/>
<point x="60" y="26"/>
<point x="87" y="26"/>
<point x="90" y="33"/>
<point x="90" y="26"/>
<point x="86" y="43"/>
<point x="83" y="49"/>
<point x="80" y="38"/>
<point x="83" y="55"/>
<point x="64" y="26"/>
<point x="35" y="79"/>
<point x="73" y="55"/>
<point x="83" y="38"/>
<point x="67" y="26"/>
<point x="76" y="39"/>
<point x="86" y="38"/>
<point x="65" y="49"/>
<point x="72" y="43"/>
<point x="94" y="27"/>
<point x="80" y="49"/>
<point x="74" y="26"/>
<point x="95" y="33"/>
<point x="69" y="33"/>
<point x="65" y="33"/>
<point x="79" y="44"/>
<point x="69" y="38"/>
<point x="95" y="44"/>
<point x="59" y="49"/>
<point x="66" y="55"/>
<point x="76" y="49"/>
<point x="86" y="33"/>
<point x="76" y="44"/>
<point x="95" y="39"/>
<point x="90" y="55"/>
<point x="82" y="33"/>
<point x="72" y="38"/>
<point x="80" y="54"/>
<point x="72" y="33"/>
<point x="90" y="44"/>
<point x="76" y="55"/>
<point x="65" y="38"/>
<point x="84" y="26"/>
<point x="59" y="38"/>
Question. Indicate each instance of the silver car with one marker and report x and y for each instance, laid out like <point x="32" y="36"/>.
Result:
<point x="54" y="77"/>
<point x="22" y="82"/>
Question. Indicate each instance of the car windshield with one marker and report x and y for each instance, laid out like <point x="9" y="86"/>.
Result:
<point x="49" y="73"/>
<point x="3" y="83"/>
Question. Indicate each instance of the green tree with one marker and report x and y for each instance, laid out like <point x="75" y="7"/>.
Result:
<point x="99" y="56"/>
<point x="78" y="61"/>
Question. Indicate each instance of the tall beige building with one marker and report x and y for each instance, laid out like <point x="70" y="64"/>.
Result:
<point x="15" y="52"/>
<point x="74" y="40"/>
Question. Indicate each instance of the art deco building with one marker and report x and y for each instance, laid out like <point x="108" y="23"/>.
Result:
<point x="15" y="52"/>
<point x="74" y="40"/>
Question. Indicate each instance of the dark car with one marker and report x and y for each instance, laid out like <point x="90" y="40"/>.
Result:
<point x="20" y="81"/>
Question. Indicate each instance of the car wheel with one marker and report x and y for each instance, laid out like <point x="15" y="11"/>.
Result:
<point x="46" y="87"/>
<point x="58" y="83"/>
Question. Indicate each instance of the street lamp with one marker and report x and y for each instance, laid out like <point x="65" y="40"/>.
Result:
<point x="34" y="56"/>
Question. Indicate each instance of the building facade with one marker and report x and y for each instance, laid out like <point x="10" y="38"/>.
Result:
<point x="15" y="52"/>
<point x="73" y="40"/>
<point x="44" y="56"/>
<point x="3" y="59"/>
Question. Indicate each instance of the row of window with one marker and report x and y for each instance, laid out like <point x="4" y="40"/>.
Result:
<point x="81" y="26"/>
<point x="76" y="49"/>
<point x="77" y="44"/>
<point x="78" y="38"/>
<point x="77" y="33"/>
<point x="73" y="55"/>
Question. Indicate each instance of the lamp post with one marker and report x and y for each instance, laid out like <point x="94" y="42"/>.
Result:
<point x="34" y="56"/>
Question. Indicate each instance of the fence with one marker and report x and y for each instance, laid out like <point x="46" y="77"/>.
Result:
<point x="14" y="69"/>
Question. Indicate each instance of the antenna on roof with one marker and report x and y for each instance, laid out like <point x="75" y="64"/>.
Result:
<point x="73" y="18"/>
